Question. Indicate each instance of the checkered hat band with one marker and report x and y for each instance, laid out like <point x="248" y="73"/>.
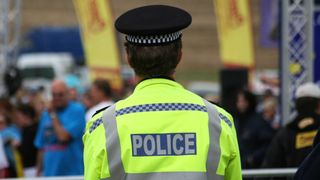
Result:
<point x="155" y="39"/>
<point x="161" y="107"/>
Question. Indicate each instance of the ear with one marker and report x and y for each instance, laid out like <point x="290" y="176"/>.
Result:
<point x="128" y="57"/>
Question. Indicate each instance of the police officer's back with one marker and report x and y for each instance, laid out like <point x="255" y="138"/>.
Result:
<point x="161" y="131"/>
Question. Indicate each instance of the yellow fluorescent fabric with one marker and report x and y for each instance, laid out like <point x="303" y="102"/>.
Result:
<point x="163" y="91"/>
<point x="95" y="154"/>
<point x="235" y="32"/>
<point x="230" y="163"/>
<point x="155" y="122"/>
<point x="98" y="37"/>
<point x="155" y="91"/>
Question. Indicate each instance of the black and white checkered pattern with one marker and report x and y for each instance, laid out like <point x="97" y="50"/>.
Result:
<point x="152" y="40"/>
<point x="225" y="119"/>
<point x="95" y="124"/>
<point x="161" y="107"/>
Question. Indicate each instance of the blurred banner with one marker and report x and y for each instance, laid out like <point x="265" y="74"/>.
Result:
<point x="98" y="37"/>
<point x="235" y="32"/>
<point x="269" y="30"/>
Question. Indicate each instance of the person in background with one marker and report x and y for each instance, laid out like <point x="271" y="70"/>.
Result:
<point x="254" y="134"/>
<point x="309" y="168"/>
<point x="5" y="106"/>
<point x="3" y="160"/>
<point x="294" y="142"/>
<point x="58" y="137"/>
<point x="269" y="113"/>
<point x="38" y="101"/>
<point x="87" y="100"/>
<point x="11" y="140"/>
<point x="74" y="85"/>
<point x="28" y="124"/>
<point x="6" y="109"/>
<point x="267" y="94"/>
<point x="101" y="95"/>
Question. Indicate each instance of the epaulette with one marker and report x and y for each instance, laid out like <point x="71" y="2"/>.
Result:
<point x="100" y="110"/>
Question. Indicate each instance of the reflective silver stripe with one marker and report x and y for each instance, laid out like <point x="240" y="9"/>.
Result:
<point x="214" y="152"/>
<point x="167" y="176"/>
<point x="113" y="144"/>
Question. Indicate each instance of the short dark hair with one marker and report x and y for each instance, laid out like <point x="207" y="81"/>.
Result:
<point x="250" y="98"/>
<point x="154" y="61"/>
<point x="27" y="110"/>
<point x="104" y="86"/>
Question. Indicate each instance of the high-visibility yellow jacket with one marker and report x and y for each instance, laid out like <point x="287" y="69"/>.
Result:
<point x="161" y="131"/>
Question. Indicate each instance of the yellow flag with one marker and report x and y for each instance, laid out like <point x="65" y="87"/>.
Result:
<point x="235" y="32"/>
<point x="98" y="37"/>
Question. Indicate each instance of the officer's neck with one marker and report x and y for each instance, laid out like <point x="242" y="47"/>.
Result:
<point x="140" y="78"/>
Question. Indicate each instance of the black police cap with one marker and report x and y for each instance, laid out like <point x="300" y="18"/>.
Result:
<point x="154" y="24"/>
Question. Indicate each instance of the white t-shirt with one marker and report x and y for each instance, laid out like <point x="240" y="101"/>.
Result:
<point x="95" y="108"/>
<point x="3" y="158"/>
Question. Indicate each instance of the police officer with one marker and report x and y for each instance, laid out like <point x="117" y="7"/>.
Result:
<point x="161" y="131"/>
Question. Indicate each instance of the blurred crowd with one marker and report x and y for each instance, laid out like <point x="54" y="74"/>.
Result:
<point x="41" y="136"/>
<point x="32" y="143"/>
<point x="256" y="123"/>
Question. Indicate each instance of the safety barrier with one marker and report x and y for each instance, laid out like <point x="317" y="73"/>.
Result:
<point x="49" y="178"/>
<point x="249" y="173"/>
<point x="269" y="173"/>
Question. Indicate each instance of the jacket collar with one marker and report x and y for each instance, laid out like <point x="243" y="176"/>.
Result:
<point x="157" y="81"/>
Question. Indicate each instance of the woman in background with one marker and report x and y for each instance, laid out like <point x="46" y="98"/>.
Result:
<point x="254" y="133"/>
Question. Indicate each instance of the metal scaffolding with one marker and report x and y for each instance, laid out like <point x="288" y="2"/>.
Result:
<point x="296" y="51"/>
<point x="9" y="35"/>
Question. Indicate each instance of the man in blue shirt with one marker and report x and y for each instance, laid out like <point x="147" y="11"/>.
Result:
<point x="59" y="135"/>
